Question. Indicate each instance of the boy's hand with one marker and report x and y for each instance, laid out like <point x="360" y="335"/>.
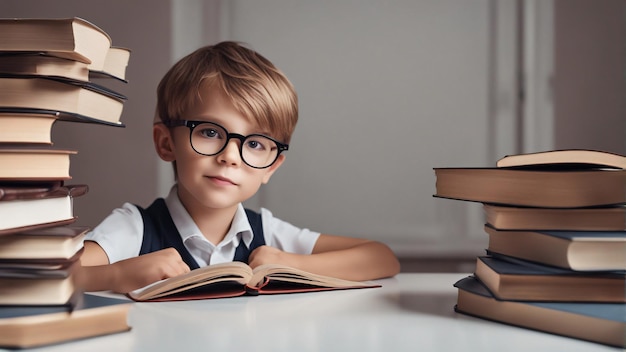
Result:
<point x="270" y="255"/>
<point x="137" y="272"/>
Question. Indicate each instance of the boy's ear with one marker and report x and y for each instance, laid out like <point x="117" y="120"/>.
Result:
<point x="163" y="142"/>
<point x="270" y="170"/>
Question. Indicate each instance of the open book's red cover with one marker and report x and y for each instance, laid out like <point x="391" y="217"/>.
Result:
<point x="270" y="287"/>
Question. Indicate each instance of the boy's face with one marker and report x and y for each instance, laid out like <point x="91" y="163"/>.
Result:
<point x="219" y="181"/>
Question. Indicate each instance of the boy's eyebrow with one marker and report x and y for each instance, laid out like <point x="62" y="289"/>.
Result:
<point x="256" y="129"/>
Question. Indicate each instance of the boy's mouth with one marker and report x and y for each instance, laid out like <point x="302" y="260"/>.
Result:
<point x="222" y="180"/>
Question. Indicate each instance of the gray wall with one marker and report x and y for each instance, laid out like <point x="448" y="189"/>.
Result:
<point x="590" y="68"/>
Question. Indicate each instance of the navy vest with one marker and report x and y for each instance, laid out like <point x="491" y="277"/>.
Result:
<point x="159" y="232"/>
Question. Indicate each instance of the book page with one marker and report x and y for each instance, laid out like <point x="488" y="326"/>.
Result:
<point x="232" y="271"/>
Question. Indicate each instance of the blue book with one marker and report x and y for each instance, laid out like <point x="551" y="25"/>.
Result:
<point x="25" y="327"/>
<point x="514" y="279"/>
<point x="574" y="250"/>
<point x="603" y="323"/>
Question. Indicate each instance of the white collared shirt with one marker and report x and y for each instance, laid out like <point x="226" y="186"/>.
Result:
<point x="120" y="234"/>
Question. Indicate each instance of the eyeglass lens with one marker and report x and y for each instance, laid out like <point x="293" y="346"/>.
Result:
<point x="256" y="150"/>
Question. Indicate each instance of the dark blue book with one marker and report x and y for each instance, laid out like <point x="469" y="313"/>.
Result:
<point x="603" y="323"/>
<point x="574" y="250"/>
<point x="25" y="327"/>
<point x="514" y="279"/>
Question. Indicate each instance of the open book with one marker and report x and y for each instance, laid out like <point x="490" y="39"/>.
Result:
<point x="238" y="279"/>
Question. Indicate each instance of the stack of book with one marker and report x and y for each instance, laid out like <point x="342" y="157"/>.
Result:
<point x="46" y="71"/>
<point x="556" y="256"/>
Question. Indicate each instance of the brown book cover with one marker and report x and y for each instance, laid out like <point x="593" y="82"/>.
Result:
<point x="602" y="323"/>
<point x="26" y="191"/>
<point x="547" y="188"/>
<point x="580" y="219"/>
<point x="26" y="327"/>
<point x="519" y="280"/>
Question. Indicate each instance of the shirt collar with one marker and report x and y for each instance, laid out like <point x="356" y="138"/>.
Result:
<point x="188" y="228"/>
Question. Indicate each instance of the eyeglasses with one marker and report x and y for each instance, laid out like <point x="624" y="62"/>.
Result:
<point x="207" y="138"/>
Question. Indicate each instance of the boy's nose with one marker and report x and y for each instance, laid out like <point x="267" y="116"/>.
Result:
<point x="230" y="154"/>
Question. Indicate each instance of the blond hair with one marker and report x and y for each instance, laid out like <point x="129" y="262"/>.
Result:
<point x="256" y="88"/>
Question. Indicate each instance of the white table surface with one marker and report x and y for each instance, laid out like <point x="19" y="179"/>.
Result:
<point x="411" y="312"/>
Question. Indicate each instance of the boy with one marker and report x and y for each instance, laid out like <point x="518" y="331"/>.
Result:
<point x="224" y="117"/>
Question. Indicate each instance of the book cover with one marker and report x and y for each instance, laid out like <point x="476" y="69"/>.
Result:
<point x="34" y="164"/>
<point x="547" y="188"/>
<point x="26" y="327"/>
<point x="58" y="242"/>
<point x="574" y="250"/>
<point x="68" y="96"/>
<point x="72" y="38"/>
<point x="602" y="323"/>
<point x="42" y="64"/>
<point x="48" y="64"/>
<point x="58" y="115"/>
<point x="513" y="279"/>
<point x="580" y="219"/>
<point x="32" y="286"/>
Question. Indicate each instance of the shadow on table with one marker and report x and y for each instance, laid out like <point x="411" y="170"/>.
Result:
<point x="426" y="303"/>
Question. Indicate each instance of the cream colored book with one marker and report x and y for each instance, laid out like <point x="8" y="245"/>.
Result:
<point x="29" y="207"/>
<point x="574" y="250"/>
<point x="90" y="100"/>
<point x="31" y="164"/>
<point x="115" y="64"/>
<point x="43" y="65"/>
<point x="580" y="157"/>
<point x="26" y="128"/>
<point x="57" y="243"/>
<point x="72" y="38"/>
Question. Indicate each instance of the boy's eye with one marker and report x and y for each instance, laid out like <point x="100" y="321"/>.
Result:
<point x="255" y="144"/>
<point x="209" y="133"/>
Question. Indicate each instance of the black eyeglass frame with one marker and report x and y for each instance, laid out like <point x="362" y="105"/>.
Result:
<point x="192" y="124"/>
